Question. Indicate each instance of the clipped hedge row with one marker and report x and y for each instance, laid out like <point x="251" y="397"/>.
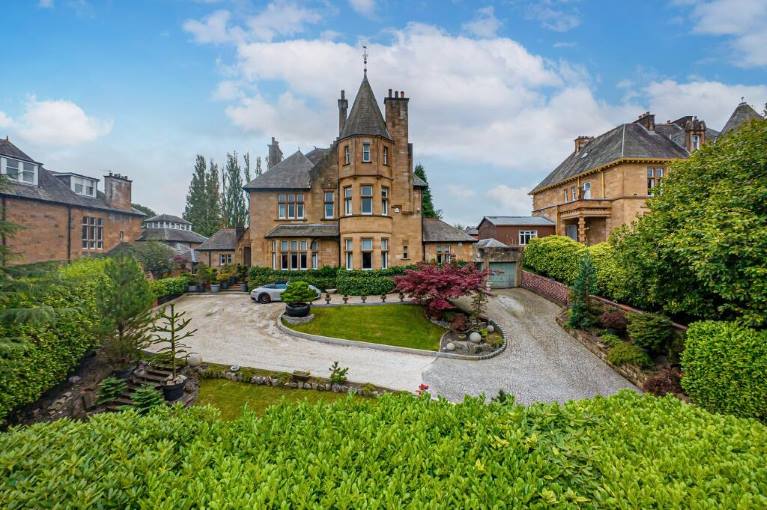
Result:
<point x="40" y="354"/>
<point x="626" y="451"/>
<point x="353" y="283"/>
<point x="725" y="368"/>
<point x="166" y="287"/>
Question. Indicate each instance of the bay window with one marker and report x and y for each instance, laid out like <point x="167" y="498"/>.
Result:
<point x="315" y="254"/>
<point x="348" y="201"/>
<point x="349" y="253"/>
<point x="347" y="155"/>
<point x="386" y="156"/>
<point x="586" y="190"/>
<point x="366" y="152"/>
<point x="384" y="253"/>
<point x="384" y="201"/>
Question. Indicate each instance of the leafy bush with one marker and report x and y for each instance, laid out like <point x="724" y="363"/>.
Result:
<point x="650" y="331"/>
<point x="166" y="287"/>
<point x="610" y="339"/>
<point x="435" y="285"/>
<point x="554" y="256"/>
<point x="154" y="256"/>
<point x="614" y="320"/>
<point x="396" y="451"/>
<point x="298" y="292"/>
<point x="725" y="368"/>
<point x="37" y="355"/>
<point x="111" y="388"/>
<point x="356" y="285"/>
<point x="664" y="382"/>
<point x="146" y="398"/>
<point x="625" y="353"/>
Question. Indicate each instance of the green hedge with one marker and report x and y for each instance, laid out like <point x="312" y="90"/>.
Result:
<point x="626" y="451"/>
<point x="353" y="283"/>
<point x="554" y="256"/>
<point x="40" y="354"/>
<point x="725" y="368"/>
<point x="169" y="286"/>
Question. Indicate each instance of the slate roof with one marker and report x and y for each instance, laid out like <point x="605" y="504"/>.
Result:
<point x="491" y="243"/>
<point x="675" y="132"/>
<point x="10" y="150"/>
<point x="472" y="231"/>
<point x="437" y="231"/>
<point x="525" y="221"/>
<point x="169" y="218"/>
<point x="625" y="141"/>
<point x="305" y="230"/>
<point x="316" y="155"/>
<point x="743" y="113"/>
<point x="52" y="189"/>
<point x="418" y="182"/>
<point x="224" y="240"/>
<point x="365" y="117"/>
<point x="170" y="235"/>
<point x="292" y="172"/>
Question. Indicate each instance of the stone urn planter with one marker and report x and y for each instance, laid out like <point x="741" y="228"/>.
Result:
<point x="173" y="389"/>
<point x="214" y="287"/>
<point x="297" y="309"/>
<point x="191" y="288"/>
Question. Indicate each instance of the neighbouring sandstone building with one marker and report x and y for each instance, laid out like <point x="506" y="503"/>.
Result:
<point x="175" y="232"/>
<point x="606" y="181"/>
<point x="356" y="204"/>
<point x="62" y="215"/>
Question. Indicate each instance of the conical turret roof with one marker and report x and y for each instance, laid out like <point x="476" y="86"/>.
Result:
<point x="742" y="114"/>
<point x="365" y="117"/>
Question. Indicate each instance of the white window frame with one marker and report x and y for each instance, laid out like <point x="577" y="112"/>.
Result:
<point x="348" y="197"/>
<point x="21" y="171"/>
<point x="366" y="158"/>
<point x="366" y="199"/>
<point x="384" y="253"/>
<point x="567" y="199"/>
<point x="364" y="251"/>
<point x="526" y="235"/>
<point x="384" y="201"/>
<point x="349" y="253"/>
<point x="586" y="191"/>
<point x="695" y="142"/>
<point x="347" y="155"/>
<point x="314" y="247"/>
<point x="224" y="259"/>
<point x="444" y="254"/>
<point x="92" y="233"/>
<point x="385" y="155"/>
<point x="331" y="203"/>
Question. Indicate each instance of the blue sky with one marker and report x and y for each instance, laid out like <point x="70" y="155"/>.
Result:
<point x="498" y="90"/>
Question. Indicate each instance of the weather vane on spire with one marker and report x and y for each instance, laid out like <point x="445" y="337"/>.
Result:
<point x="365" y="59"/>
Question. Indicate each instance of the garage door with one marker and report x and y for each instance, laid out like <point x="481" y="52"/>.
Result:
<point x="503" y="274"/>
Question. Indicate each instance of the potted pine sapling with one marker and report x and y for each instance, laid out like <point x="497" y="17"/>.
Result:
<point x="214" y="285"/>
<point x="168" y="332"/>
<point x="298" y="297"/>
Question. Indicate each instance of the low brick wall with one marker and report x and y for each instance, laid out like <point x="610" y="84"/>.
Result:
<point x="546" y="287"/>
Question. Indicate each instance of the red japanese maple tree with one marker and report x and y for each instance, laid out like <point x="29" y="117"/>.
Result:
<point x="433" y="286"/>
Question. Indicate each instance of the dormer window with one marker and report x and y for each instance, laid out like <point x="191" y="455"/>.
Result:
<point x="19" y="171"/>
<point x="695" y="142"/>
<point x="366" y="152"/>
<point x="84" y="186"/>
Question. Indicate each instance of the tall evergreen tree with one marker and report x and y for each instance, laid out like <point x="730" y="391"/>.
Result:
<point x="246" y="168"/>
<point x="258" y="166"/>
<point x="196" y="211"/>
<point x="212" y="221"/>
<point x="234" y="210"/>
<point x="427" y="206"/>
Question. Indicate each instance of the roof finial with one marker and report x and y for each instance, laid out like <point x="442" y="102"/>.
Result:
<point x="365" y="59"/>
<point x="742" y="99"/>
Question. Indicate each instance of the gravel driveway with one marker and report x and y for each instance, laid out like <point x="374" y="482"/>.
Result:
<point x="232" y="329"/>
<point x="541" y="363"/>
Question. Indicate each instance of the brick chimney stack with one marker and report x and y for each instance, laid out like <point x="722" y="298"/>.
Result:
<point x="695" y="133"/>
<point x="343" y="106"/>
<point x="275" y="154"/>
<point x="117" y="191"/>
<point x="581" y="142"/>
<point x="396" y="108"/>
<point x="647" y="119"/>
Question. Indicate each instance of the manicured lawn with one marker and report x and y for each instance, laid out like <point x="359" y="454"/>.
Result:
<point x="400" y="325"/>
<point x="230" y="396"/>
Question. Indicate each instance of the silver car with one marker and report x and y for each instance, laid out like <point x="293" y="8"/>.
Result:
<point x="273" y="292"/>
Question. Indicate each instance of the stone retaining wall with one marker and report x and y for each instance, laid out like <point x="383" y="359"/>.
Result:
<point x="546" y="287"/>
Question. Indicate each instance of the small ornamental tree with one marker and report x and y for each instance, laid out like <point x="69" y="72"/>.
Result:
<point x="169" y="332"/>
<point x="298" y="292"/>
<point x="580" y="293"/>
<point x="434" y="286"/>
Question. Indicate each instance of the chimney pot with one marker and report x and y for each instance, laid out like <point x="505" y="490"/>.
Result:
<point x="402" y="93"/>
<point x="389" y="92"/>
<point x="396" y="94"/>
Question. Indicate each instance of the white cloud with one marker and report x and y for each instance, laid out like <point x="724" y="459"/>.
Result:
<point x="364" y="7"/>
<point x="484" y="24"/>
<point x="45" y="4"/>
<point x="460" y="192"/>
<point x="5" y="120"/>
<point x="554" y="15"/>
<point x="57" y="123"/>
<point x="279" y="18"/>
<point x="743" y="20"/>
<point x="511" y="201"/>
<point x="227" y="90"/>
<point x="709" y="100"/>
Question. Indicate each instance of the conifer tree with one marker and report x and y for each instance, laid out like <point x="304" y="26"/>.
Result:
<point x="212" y="221"/>
<point x="233" y="201"/>
<point x="246" y="168"/>
<point x="427" y="206"/>
<point x="196" y="211"/>
<point x="258" y="166"/>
